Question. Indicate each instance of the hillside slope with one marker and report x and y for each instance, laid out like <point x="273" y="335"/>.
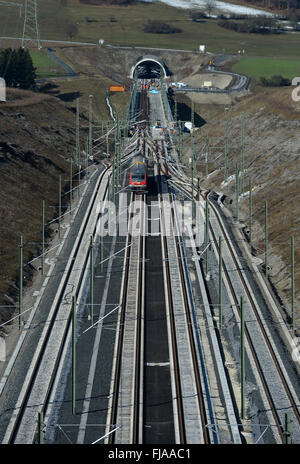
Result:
<point x="37" y="140"/>
<point x="272" y="161"/>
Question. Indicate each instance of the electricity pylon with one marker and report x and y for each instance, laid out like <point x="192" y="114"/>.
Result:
<point x="31" y="26"/>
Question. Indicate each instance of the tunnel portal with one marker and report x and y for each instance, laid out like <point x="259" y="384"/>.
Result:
<point x="148" y="67"/>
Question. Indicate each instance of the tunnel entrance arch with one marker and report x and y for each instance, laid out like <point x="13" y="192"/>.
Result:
<point x="148" y="66"/>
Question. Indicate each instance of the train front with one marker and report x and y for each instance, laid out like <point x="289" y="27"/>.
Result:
<point x="138" y="175"/>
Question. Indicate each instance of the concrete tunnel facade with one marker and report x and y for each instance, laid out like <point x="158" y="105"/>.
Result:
<point x="145" y="59"/>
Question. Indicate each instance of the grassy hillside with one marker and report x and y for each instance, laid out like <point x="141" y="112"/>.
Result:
<point x="271" y="161"/>
<point x="69" y="89"/>
<point x="37" y="141"/>
<point x="45" y="66"/>
<point x="257" y="67"/>
<point x="124" y="25"/>
<point x="37" y="138"/>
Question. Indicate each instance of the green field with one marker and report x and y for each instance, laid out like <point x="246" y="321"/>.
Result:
<point x="124" y="26"/>
<point x="267" y="67"/>
<point x="46" y="67"/>
<point x="41" y="60"/>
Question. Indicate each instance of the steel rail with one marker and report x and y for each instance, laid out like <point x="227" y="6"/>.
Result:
<point x="189" y="325"/>
<point x="138" y="409"/>
<point x="201" y="399"/>
<point x="171" y="319"/>
<point x="9" y="438"/>
<point x="113" y="407"/>
<point x="285" y="382"/>
<point x="179" y="414"/>
<point x="136" y="424"/>
<point x="249" y="340"/>
<point x="253" y="304"/>
<point x="132" y="258"/>
<point x="227" y="395"/>
<point x="16" y="420"/>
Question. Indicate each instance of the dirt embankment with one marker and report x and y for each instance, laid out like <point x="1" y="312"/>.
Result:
<point x="37" y="141"/>
<point x="116" y="63"/>
<point x="272" y="162"/>
<point x="219" y="81"/>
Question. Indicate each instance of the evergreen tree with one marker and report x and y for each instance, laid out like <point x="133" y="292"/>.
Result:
<point x="17" y="69"/>
<point x="12" y="69"/>
<point x="25" y="70"/>
<point x="5" y="59"/>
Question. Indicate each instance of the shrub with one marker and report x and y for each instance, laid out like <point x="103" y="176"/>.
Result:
<point x="198" y="14"/>
<point x="158" y="27"/>
<point x="275" y="81"/>
<point x="71" y="29"/>
<point x="252" y="25"/>
<point x="17" y="68"/>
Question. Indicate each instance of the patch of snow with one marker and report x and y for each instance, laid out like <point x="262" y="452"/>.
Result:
<point x="223" y="6"/>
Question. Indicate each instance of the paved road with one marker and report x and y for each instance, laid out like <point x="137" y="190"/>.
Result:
<point x="70" y="71"/>
<point x="68" y="42"/>
<point x="240" y="81"/>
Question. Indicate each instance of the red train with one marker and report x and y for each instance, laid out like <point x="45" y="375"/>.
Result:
<point x="138" y="173"/>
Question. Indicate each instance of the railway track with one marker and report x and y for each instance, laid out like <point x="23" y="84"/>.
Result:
<point x="221" y="377"/>
<point x="190" y="407"/>
<point x="191" y="416"/>
<point x="259" y="336"/>
<point x="271" y="374"/>
<point x="41" y="374"/>
<point x="198" y="355"/>
<point x="125" y="406"/>
<point x="36" y="390"/>
<point x="193" y="406"/>
<point x="125" y="409"/>
<point x="144" y="108"/>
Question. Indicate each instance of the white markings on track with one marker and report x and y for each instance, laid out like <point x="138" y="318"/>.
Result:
<point x="159" y="364"/>
<point x="92" y="370"/>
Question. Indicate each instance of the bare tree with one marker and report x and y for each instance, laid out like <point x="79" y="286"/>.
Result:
<point x="71" y="30"/>
<point x="210" y="5"/>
